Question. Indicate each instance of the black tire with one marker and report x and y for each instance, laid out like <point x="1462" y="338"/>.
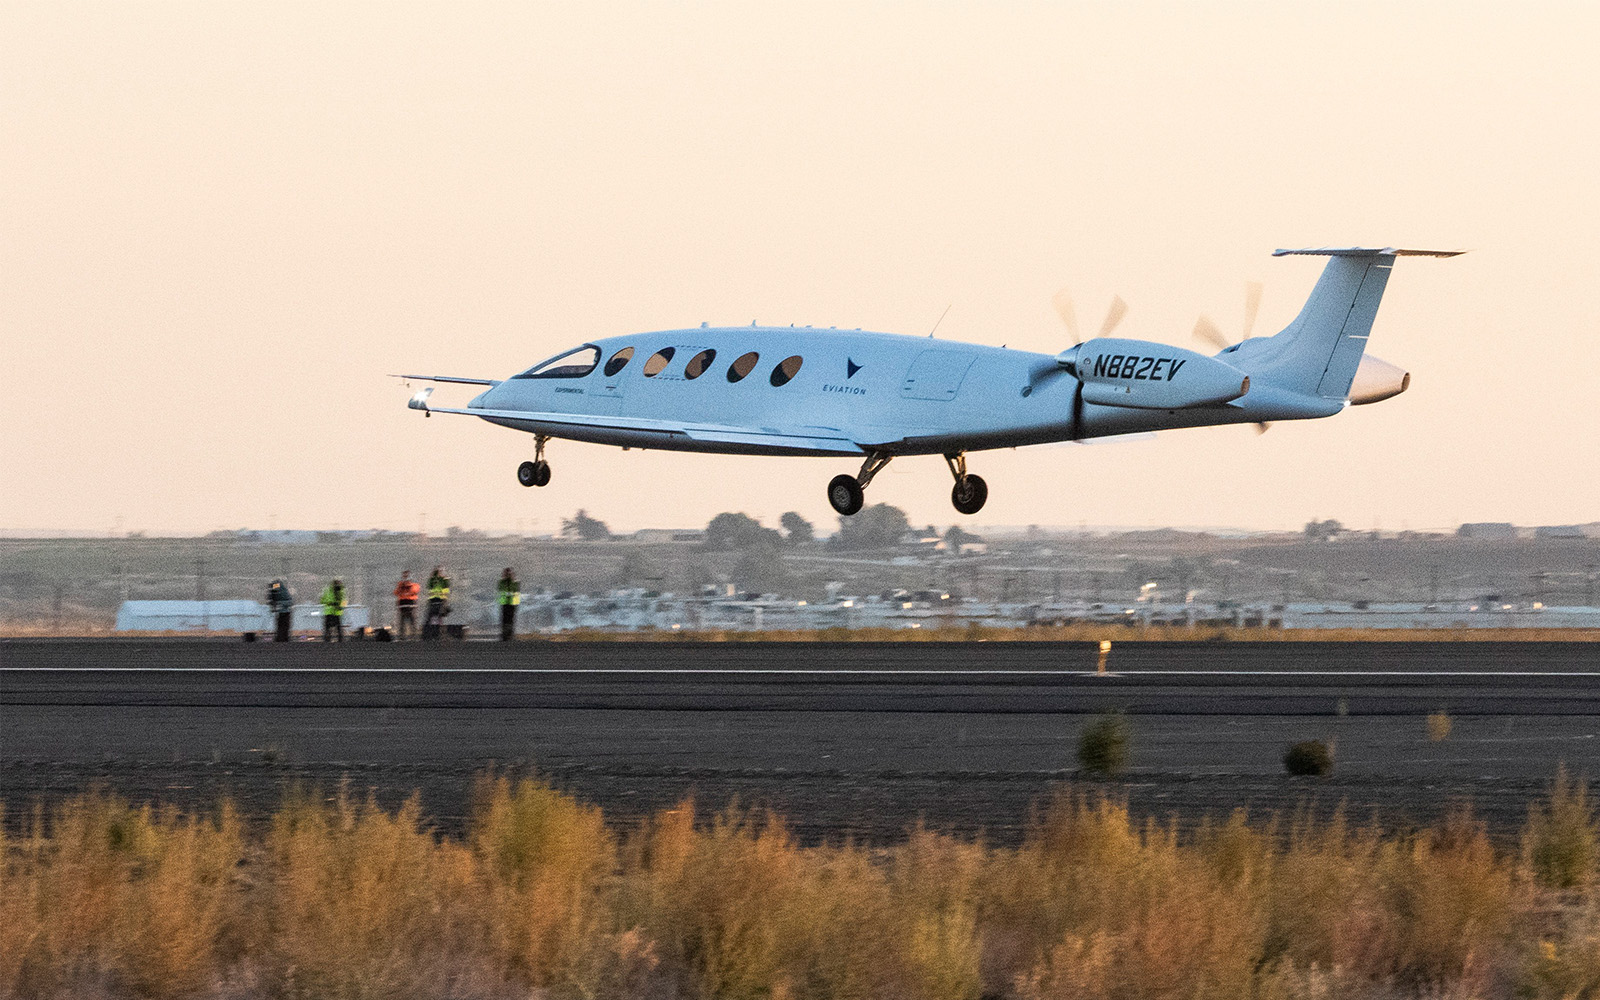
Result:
<point x="845" y="494"/>
<point x="533" y="473"/>
<point x="969" y="494"/>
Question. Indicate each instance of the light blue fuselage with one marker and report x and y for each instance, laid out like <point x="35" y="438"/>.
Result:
<point x="895" y="394"/>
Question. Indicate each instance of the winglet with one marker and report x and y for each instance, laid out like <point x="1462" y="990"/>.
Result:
<point x="419" y="400"/>
<point x="1365" y="252"/>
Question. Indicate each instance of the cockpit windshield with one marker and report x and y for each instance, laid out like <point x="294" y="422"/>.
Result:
<point x="573" y="364"/>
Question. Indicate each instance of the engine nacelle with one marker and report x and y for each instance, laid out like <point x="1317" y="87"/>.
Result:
<point x="1377" y="380"/>
<point x="1151" y="376"/>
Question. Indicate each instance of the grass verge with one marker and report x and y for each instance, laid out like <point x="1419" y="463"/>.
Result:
<point x="339" y="898"/>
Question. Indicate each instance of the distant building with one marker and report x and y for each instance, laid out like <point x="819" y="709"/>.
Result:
<point x="1494" y="531"/>
<point x="1591" y="530"/>
<point x="221" y="616"/>
<point x="664" y="536"/>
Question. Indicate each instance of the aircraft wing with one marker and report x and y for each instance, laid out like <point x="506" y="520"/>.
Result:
<point x="811" y="439"/>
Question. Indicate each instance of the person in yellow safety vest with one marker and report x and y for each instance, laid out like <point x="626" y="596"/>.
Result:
<point x="509" y="590"/>
<point x="333" y="605"/>
<point x="438" y="603"/>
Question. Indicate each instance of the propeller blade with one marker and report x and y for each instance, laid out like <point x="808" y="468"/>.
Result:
<point x="1207" y="331"/>
<point x="1063" y="303"/>
<point x="1114" y="315"/>
<point x="1252" y="305"/>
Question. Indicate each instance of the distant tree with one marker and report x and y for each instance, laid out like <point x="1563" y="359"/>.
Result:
<point x="877" y="527"/>
<point x="581" y="525"/>
<point x="798" y="530"/>
<point x="762" y="570"/>
<point x="739" y="531"/>
<point x="954" y="538"/>
<point x="1322" y="531"/>
<point x="638" y="570"/>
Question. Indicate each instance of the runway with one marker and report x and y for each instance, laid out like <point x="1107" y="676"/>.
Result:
<point x="848" y="739"/>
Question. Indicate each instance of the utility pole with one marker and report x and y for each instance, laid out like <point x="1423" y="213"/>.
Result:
<point x="200" y="592"/>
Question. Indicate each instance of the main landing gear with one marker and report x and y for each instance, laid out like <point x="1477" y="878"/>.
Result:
<point x="536" y="472"/>
<point x="970" y="491"/>
<point x="848" y="493"/>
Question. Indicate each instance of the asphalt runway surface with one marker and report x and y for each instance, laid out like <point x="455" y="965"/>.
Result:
<point x="846" y="739"/>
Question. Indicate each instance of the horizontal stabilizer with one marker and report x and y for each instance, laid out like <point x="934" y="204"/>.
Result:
<point x="1364" y="252"/>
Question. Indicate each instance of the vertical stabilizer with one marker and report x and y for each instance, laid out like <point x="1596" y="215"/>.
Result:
<point x="1319" y="352"/>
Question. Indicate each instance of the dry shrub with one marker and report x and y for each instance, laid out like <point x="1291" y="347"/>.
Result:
<point x="100" y="891"/>
<point x="1559" y="841"/>
<point x="1439" y="726"/>
<point x="1103" y="748"/>
<point x="1308" y="758"/>
<point x="1566" y="963"/>
<point x="547" y="864"/>
<point x="1452" y="898"/>
<point x="347" y="900"/>
<point x="1128" y="911"/>
<point x="366" y="903"/>
<point x="735" y="906"/>
<point x="936" y="885"/>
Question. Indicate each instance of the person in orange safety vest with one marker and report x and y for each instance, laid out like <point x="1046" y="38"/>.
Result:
<point x="406" y="593"/>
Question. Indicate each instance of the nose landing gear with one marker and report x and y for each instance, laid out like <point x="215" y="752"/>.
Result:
<point x="970" y="492"/>
<point x="536" y="472"/>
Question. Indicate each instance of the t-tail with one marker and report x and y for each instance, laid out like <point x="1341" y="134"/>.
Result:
<point x="1318" y="356"/>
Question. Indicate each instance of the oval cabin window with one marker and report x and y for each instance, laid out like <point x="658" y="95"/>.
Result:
<point x="787" y="369"/>
<point x="658" y="361"/>
<point x="699" y="363"/>
<point x="618" y="361"/>
<point x="743" y="365"/>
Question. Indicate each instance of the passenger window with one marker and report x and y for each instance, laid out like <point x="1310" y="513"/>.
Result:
<point x="699" y="363"/>
<point x="787" y="369"/>
<point x="618" y="361"/>
<point x="573" y="364"/>
<point x="743" y="365"/>
<point x="658" y="361"/>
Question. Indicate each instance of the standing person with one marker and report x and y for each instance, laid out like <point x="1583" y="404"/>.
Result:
<point x="280" y="603"/>
<point x="333" y="605"/>
<point x="438" y="603"/>
<point x="510" y="594"/>
<point x="405" y="603"/>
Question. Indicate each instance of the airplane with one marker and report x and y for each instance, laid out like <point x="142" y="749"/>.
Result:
<point x="804" y="391"/>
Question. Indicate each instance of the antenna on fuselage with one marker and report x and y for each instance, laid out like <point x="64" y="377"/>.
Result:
<point x="940" y="319"/>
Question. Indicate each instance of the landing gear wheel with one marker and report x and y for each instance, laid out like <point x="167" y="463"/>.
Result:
<point x="846" y="494"/>
<point x="534" y="473"/>
<point x="969" y="494"/>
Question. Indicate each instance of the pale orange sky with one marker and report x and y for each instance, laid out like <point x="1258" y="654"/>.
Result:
<point x="223" y="223"/>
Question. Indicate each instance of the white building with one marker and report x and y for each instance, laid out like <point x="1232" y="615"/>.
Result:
<point x="222" y="616"/>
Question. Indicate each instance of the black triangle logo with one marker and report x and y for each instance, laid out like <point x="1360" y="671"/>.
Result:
<point x="850" y="368"/>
